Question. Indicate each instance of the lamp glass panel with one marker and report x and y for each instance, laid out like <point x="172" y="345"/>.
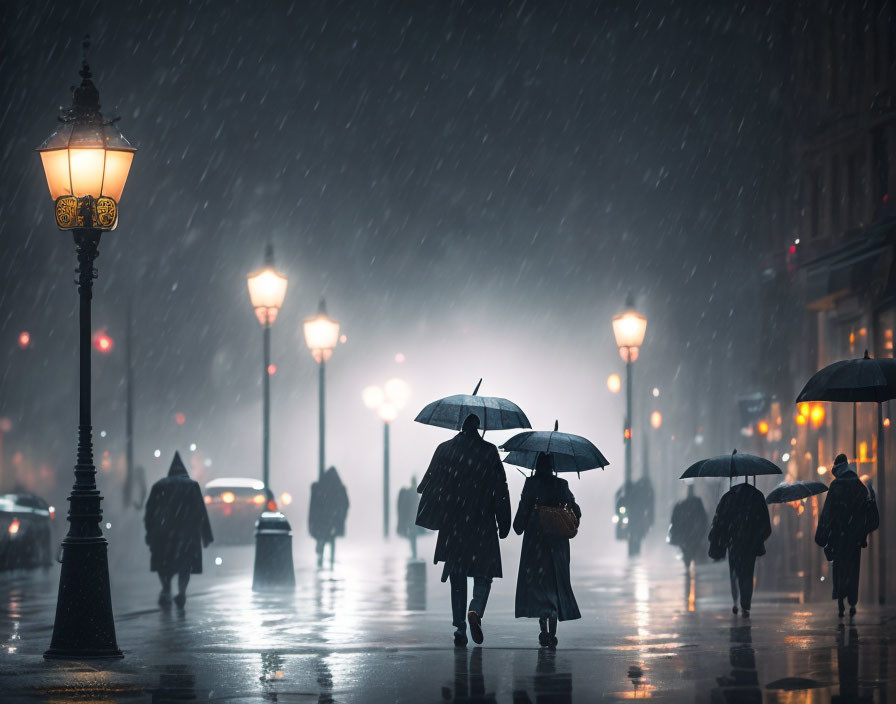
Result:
<point x="267" y="289"/>
<point x="56" y="168"/>
<point x="118" y="164"/>
<point x="372" y="396"/>
<point x="321" y="333"/>
<point x="87" y="167"/>
<point x="629" y="329"/>
<point x="397" y="392"/>
<point x="387" y="412"/>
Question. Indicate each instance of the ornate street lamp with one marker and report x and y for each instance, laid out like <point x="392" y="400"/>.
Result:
<point x="267" y="289"/>
<point x="629" y="328"/>
<point x="321" y="336"/>
<point x="86" y="162"/>
<point x="387" y="401"/>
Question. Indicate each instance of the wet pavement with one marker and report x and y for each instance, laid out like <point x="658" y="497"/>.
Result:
<point x="376" y="629"/>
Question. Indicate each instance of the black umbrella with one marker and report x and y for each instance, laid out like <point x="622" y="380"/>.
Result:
<point x="494" y="413"/>
<point x="571" y="453"/>
<point x="865" y="380"/>
<point x="730" y="466"/>
<point x="786" y="492"/>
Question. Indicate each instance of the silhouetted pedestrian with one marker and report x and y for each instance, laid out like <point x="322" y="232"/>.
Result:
<point x="741" y="526"/>
<point x="327" y="513"/>
<point x="408" y="501"/>
<point x="687" y="528"/>
<point x="543" y="588"/>
<point x="464" y="496"/>
<point x="849" y="515"/>
<point x="177" y="528"/>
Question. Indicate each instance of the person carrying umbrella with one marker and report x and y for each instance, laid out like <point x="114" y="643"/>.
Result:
<point x="543" y="588"/>
<point x="177" y="528"/>
<point x="849" y="515"/>
<point x="464" y="496"/>
<point x="687" y="528"/>
<point x="741" y="526"/>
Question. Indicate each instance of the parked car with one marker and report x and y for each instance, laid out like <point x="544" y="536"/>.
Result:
<point x="234" y="504"/>
<point x="25" y="531"/>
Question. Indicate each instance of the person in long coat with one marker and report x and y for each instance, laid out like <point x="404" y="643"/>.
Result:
<point x="543" y="586"/>
<point x="408" y="501"/>
<point x="849" y="515"/>
<point x="177" y="528"/>
<point x="741" y="526"/>
<point x="464" y="496"/>
<point x="687" y="528"/>
<point x="327" y="513"/>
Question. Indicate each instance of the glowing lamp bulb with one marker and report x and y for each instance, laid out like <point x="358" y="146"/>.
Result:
<point x="24" y="339"/>
<point x="228" y="498"/>
<point x="614" y="383"/>
<point x="656" y="420"/>
<point x="762" y="427"/>
<point x="258" y="499"/>
<point x="286" y="498"/>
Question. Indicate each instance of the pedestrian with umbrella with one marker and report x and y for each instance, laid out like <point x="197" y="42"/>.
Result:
<point x="866" y="380"/>
<point x="464" y="496"/>
<point x="849" y="515"/>
<point x="547" y="518"/>
<point x="741" y="524"/>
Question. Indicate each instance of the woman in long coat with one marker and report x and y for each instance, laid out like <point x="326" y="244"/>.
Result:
<point x="543" y="588"/>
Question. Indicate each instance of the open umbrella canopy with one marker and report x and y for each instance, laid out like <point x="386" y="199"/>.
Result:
<point x="494" y="413"/>
<point x="786" y="492"/>
<point x="733" y="465"/>
<point x="571" y="453"/>
<point x="863" y="380"/>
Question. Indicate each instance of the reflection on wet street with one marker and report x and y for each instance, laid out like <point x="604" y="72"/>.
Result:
<point x="377" y="628"/>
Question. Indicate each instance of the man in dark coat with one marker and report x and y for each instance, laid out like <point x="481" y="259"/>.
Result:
<point x="465" y="497"/>
<point x="687" y="529"/>
<point x="741" y="526"/>
<point x="849" y="514"/>
<point x="408" y="501"/>
<point x="327" y="513"/>
<point x="177" y="529"/>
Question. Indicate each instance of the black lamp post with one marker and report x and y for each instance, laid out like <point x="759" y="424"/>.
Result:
<point x="86" y="161"/>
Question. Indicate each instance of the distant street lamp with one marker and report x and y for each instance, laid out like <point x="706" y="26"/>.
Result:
<point x="387" y="402"/>
<point x="267" y="289"/>
<point x="321" y="336"/>
<point x="86" y="162"/>
<point x="629" y="328"/>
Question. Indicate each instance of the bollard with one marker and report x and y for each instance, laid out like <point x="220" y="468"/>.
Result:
<point x="273" y="553"/>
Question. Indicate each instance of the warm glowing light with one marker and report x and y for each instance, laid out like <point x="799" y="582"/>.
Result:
<point x="321" y="335"/>
<point x="387" y="412"/>
<point x="272" y="369"/>
<point x="656" y="392"/>
<point x="656" y="420"/>
<point x="397" y="392"/>
<point x="258" y="499"/>
<point x="180" y="418"/>
<point x="14" y="526"/>
<point x="886" y="422"/>
<point x="817" y="414"/>
<point x="272" y="505"/>
<point x="628" y="433"/>
<point x="800" y="419"/>
<point x="373" y="397"/>
<point x="208" y="499"/>
<point x="286" y="498"/>
<point x="614" y="383"/>
<point x="822" y="469"/>
<point x="629" y="328"/>
<point x="863" y="451"/>
<point x="267" y="289"/>
<point x="102" y="342"/>
<point x="762" y="427"/>
<point x="228" y="498"/>
<point x="803" y="408"/>
<point x="24" y="339"/>
<point x="343" y="339"/>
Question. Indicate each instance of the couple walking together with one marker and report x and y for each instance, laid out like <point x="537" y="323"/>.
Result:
<point x="464" y="496"/>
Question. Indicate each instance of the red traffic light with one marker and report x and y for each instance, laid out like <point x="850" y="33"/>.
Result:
<point x="24" y="339"/>
<point x="102" y="342"/>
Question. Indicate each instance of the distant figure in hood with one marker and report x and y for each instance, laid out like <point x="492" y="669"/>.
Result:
<point x="849" y="515"/>
<point x="543" y="587"/>
<point x="741" y="526"/>
<point x="465" y="497"/>
<point x="687" y="529"/>
<point x="327" y="513"/>
<point x="177" y="529"/>
<point x="408" y="502"/>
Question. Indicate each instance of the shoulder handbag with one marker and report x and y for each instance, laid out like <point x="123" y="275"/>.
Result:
<point x="558" y="521"/>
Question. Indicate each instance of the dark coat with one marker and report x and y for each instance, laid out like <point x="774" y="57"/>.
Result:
<point x="408" y="502"/>
<point x="687" y="529"/>
<point x="176" y="521"/>
<point x="328" y="508"/>
<point x="741" y="524"/>
<point x="543" y="586"/>
<point x="849" y="514"/>
<point x="464" y="496"/>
